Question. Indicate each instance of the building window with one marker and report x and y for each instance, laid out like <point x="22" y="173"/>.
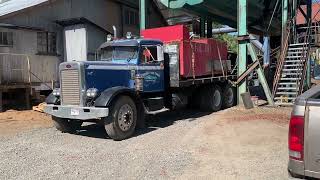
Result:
<point x="47" y="43"/>
<point x="131" y="17"/>
<point x="6" y="38"/>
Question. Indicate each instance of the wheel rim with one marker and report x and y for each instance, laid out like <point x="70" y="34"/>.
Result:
<point x="125" y="117"/>
<point x="230" y="96"/>
<point x="216" y="98"/>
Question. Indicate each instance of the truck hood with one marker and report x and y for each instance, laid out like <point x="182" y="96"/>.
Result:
<point x="104" y="75"/>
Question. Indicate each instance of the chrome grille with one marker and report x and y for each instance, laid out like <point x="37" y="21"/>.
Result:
<point x="70" y="87"/>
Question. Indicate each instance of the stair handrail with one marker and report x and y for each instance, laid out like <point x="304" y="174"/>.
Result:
<point x="304" y="59"/>
<point x="283" y="54"/>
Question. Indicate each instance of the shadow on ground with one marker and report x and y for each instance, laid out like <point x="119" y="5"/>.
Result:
<point x="153" y="123"/>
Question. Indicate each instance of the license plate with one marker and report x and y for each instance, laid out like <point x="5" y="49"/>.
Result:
<point x="75" y="112"/>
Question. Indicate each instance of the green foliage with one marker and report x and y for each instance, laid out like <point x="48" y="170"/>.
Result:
<point x="230" y="39"/>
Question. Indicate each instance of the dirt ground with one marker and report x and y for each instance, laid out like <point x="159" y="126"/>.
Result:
<point x="12" y="121"/>
<point x="230" y="144"/>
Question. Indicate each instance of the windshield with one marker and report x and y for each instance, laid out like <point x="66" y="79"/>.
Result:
<point x="118" y="53"/>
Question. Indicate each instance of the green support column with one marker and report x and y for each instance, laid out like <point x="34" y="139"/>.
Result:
<point x="242" y="46"/>
<point x="261" y="76"/>
<point x="143" y="14"/>
<point x="284" y="10"/>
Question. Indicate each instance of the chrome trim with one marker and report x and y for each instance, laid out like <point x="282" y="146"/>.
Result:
<point x="65" y="112"/>
<point x="80" y="67"/>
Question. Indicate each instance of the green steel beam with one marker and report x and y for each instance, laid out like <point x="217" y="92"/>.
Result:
<point x="284" y="12"/>
<point x="143" y="14"/>
<point x="242" y="46"/>
<point x="261" y="76"/>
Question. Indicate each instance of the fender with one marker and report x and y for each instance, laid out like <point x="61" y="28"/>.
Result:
<point x="108" y="95"/>
<point x="51" y="99"/>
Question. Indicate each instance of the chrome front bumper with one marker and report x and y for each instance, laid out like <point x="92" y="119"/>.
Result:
<point x="76" y="112"/>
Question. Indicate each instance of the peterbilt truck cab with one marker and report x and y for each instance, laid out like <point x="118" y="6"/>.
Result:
<point x="126" y="81"/>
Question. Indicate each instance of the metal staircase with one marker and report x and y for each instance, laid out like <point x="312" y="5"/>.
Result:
<point x="291" y="69"/>
<point x="290" y="79"/>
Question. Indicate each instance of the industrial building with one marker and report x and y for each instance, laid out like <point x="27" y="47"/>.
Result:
<point x="37" y="35"/>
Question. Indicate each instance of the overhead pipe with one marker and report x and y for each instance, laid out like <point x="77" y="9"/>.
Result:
<point x="223" y="30"/>
<point x="253" y="40"/>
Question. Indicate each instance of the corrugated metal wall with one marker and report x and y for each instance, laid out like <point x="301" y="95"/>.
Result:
<point x="14" y="69"/>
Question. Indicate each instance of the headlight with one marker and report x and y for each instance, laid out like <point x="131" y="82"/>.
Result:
<point x="92" y="92"/>
<point x="56" y="92"/>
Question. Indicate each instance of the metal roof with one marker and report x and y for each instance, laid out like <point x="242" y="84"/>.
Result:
<point x="17" y="5"/>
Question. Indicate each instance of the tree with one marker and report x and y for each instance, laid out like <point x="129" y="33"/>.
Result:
<point x="230" y="39"/>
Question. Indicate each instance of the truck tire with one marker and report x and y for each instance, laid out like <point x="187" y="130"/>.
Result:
<point x="66" y="125"/>
<point x="122" y="120"/>
<point x="229" y="96"/>
<point x="211" y="99"/>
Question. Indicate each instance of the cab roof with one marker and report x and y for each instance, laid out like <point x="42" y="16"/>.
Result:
<point x="131" y="42"/>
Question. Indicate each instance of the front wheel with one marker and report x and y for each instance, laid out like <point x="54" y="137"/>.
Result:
<point x="121" y="122"/>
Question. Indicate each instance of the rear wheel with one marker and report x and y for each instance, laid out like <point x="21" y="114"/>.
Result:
<point x="228" y="96"/>
<point x="121" y="122"/>
<point x="211" y="99"/>
<point x="66" y="125"/>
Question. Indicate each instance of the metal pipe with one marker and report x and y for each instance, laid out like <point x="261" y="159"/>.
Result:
<point x="223" y="30"/>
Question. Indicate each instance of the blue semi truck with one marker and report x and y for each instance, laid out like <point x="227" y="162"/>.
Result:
<point x="130" y="79"/>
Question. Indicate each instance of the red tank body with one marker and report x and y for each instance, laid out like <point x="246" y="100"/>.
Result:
<point x="198" y="57"/>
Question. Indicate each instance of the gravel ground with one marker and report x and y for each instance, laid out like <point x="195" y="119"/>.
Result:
<point x="231" y="144"/>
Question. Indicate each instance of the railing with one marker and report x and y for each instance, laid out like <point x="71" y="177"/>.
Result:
<point x="304" y="59"/>
<point x="282" y="58"/>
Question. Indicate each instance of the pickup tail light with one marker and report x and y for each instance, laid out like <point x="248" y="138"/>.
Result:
<point x="296" y="137"/>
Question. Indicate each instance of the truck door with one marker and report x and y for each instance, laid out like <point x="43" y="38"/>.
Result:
<point x="312" y="136"/>
<point x="152" y="68"/>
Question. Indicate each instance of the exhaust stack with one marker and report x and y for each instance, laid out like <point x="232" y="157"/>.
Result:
<point x="114" y="31"/>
